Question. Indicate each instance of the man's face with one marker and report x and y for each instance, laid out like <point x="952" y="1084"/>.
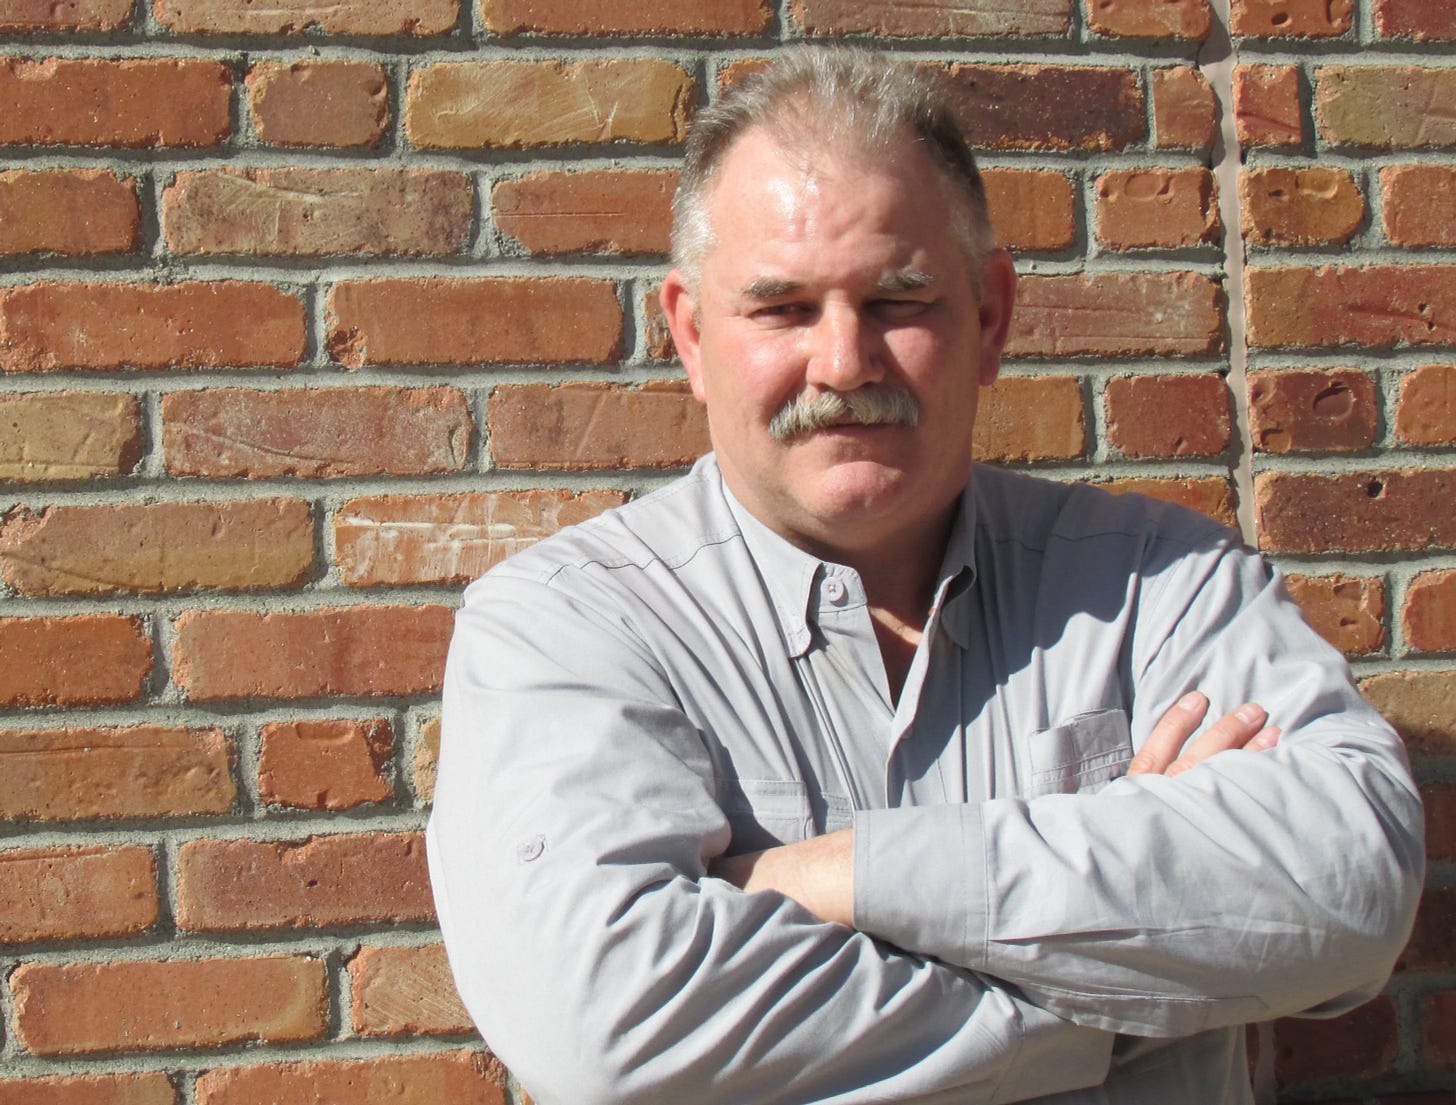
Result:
<point x="829" y="273"/>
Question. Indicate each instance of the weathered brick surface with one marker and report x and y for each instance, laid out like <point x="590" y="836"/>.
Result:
<point x="136" y="771"/>
<point x="1417" y="19"/>
<point x="480" y="321"/>
<point x="936" y="17"/>
<point x="1112" y="314"/>
<point x="319" y="212"/>
<point x="350" y="650"/>
<point x="605" y="211"/>
<point x="1184" y="109"/>
<point x="70" y="893"/>
<point x="1188" y="19"/>
<point x="1438" y="1036"/>
<point x="68" y="15"/>
<point x="1421" y="705"/>
<point x="1361" y="1042"/>
<point x="656" y="17"/>
<point x="318" y="103"/>
<point x="353" y="879"/>
<point x="587" y="426"/>
<point x="426" y="762"/>
<point x="461" y="1078"/>
<point x="1157" y="207"/>
<point x="73" y="211"/>
<point x="1169" y="416"/>
<point x="1419" y="204"/>
<point x="1439" y="800"/>
<point x="1030" y="418"/>
<point x="405" y="991"/>
<point x="1433" y="942"/>
<point x="325" y="764"/>
<point x="1430" y="612"/>
<point x="1031" y="209"/>
<point x="1314" y="205"/>
<point x="151" y="1088"/>
<point x="1210" y="495"/>
<point x="1050" y="106"/>
<point x="196" y="324"/>
<point x="1426" y="412"/>
<point x="391" y="539"/>
<point x="1267" y="108"/>
<point x="1386" y="106"/>
<point x="144" y="1005"/>
<point x="81" y="550"/>
<point x="515" y="104"/>
<point x="1348" y="611"/>
<point x="1381" y="306"/>
<point x="1355" y="511"/>
<point x="323" y="432"/>
<point x="1312" y="410"/>
<point x="82" y="660"/>
<point x="148" y="101"/>
<point x="343" y="17"/>
<point x="1290" y="18"/>
<point x="68" y="435"/>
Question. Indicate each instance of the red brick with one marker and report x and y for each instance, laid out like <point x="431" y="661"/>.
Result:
<point x="1417" y="19"/>
<point x="1150" y="18"/>
<point x="928" y="18"/>
<point x="393" y="539"/>
<point x="327" y="881"/>
<point x="1433" y="943"/>
<point x="1430" y="612"/>
<point x="1058" y="107"/>
<point x="1031" y="209"/>
<point x="603" y="211"/>
<point x="626" y="17"/>
<point x="1314" y="205"/>
<point x="515" y="104"/>
<point x="1185" y="110"/>
<point x="114" y="101"/>
<point x="68" y="435"/>
<point x="1025" y="418"/>
<point x="139" y="771"/>
<point x="68" y="15"/>
<point x="459" y="1077"/>
<point x="405" y="991"/>
<point x="1168" y="416"/>
<point x="1440" y="802"/>
<point x="1290" y="18"/>
<point x="1157" y="207"/>
<point x="1267" y="109"/>
<point x="84" y="660"/>
<point x="325" y="764"/>
<point x="1117" y="314"/>
<point x="1419" y="204"/>
<point x="1359" y="1043"/>
<point x="195" y="324"/>
<point x="1312" y="410"/>
<point x="1209" y="495"/>
<point x="1356" y="511"/>
<point x="322" y="432"/>
<point x="318" y="103"/>
<point x="76" y="893"/>
<point x="89" y="550"/>
<point x="142" y="1005"/>
<point x="1347" y="611"/>
<point x="657" y="336"/>
<point x="151" y="1088"/>
<point x="1382" y="306"/>
<point x="1421" y="705"/>
<point x="1386" y="106"/>
<point x="319" y="212"/>
<point x="1438" y="1036"/>
<point x="1426" y="414"/>
<point x="341" y="17"/>
<point x="341" y="650"/>
<point x="72" y="211"/>
<point x="474" y="321"/>
<point x="426" y="762"/>
<point x="593" y="426"/>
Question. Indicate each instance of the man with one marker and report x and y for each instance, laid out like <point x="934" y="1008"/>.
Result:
<point x="838" y="771"/>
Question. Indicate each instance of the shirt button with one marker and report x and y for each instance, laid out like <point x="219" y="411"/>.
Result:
<point x="527" y="850"/>
<point x="835" y="590"/>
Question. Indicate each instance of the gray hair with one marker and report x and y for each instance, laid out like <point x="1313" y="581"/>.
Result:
<point x="825" y="97"/>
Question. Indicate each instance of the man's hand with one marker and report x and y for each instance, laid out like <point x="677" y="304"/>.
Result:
<point x="1163" y="752"/>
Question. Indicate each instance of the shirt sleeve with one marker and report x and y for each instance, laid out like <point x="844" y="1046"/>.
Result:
<point x="1256" y="885"/>
<point x="574" y="816"/>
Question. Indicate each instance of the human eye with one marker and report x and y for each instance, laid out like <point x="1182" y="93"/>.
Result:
<point x="900" y="308"/>
<point x="786" y="313"/>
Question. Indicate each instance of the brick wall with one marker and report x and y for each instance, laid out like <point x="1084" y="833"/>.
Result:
<point x="310" y="312"/>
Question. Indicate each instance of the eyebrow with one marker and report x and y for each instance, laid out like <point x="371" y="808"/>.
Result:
<point x="767" y="287"/>
<point x="902" y="280"/>
<point x="905" y="280"/>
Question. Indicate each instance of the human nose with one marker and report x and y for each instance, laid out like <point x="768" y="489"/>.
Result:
<point x="843" y="352"/>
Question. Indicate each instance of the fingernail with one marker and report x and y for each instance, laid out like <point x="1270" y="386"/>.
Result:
<point x="1192" y="701"/>
<point x="1250" y="714"/>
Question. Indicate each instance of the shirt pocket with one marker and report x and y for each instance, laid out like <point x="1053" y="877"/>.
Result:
<point x="764" y="813"/>
<point x="1079" y="755"/>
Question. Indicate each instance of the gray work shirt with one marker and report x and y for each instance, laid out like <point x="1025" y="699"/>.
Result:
<point x="672" y="680"/>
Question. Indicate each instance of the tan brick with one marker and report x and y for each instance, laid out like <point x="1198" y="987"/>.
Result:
<point x="151" y="1088"/>
<point x="142" y="1005"/>
<point x="1057" y="107"/>
<point x="1360" y="1043"/>
<point x="1150" y="18"/>
<point x="89" y="550"/>
<point x="1430" y="612"/>
<point x="72" y="211"/>
<point x="319" y="433"/>
<point x="1386" y="106"/>
<point x="319" y="212"/>
<point x="601" y="211"/>
<point x="1025" y="418"/>
<point x="138" y="771"/>
<point x="68" y="15"/>
<point x="1209" y="495"/>
<point x="1347" y="611"/>
<point x="1417" y="19"/>
<point x="341" y="17"/>
<point x="318" y="103"/>
<point x="1382" y="306"/>
<point x="325" y="764"/>
<point x="1312" y="410"/>
<point x="67" y="893"/>
<point x="1031" y="209"/>
<point x="405" y="991"/>
<point x="1114" y="314"/>
<point x="1169" y="416"/>
<point x="514" y="104"/>
<point x="349" y="650"/>
<point x="1419" y="204"/>
<point x="320" y="882"/>
<point x="1290" y="18"/>
<point x="1426" y="414"/>
<point x="626" y="17"/>
<point x="1420" y="704"/>
<point x="459" y="1077"/>
<point x="1267" y="105"/>
<point x="927" y="18"/>
<point x="426" y="762"/>
<point x="393" y="539"/>
<point x="1357" y="511"/>
<point x="1439" y="800"/>
<point x="731" y="73"/>
<point x="593" y="426"/>
<point x="194" y="324"/>
<point x="1314" y="205"/>
<point x="148" y="101"/>
<point x="1185" y="111"/>
<point x="84" y="660"/>
<point x="474" y="321"/>
<point x="1157" y="207"/>
<point x="68" y="435"/>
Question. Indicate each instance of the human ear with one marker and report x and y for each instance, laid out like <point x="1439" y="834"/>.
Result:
<point x="998" y="296"/>
<point x="681" y="311"/>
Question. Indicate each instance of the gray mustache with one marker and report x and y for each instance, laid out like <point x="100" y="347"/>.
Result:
<point x="870" y="405"/>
